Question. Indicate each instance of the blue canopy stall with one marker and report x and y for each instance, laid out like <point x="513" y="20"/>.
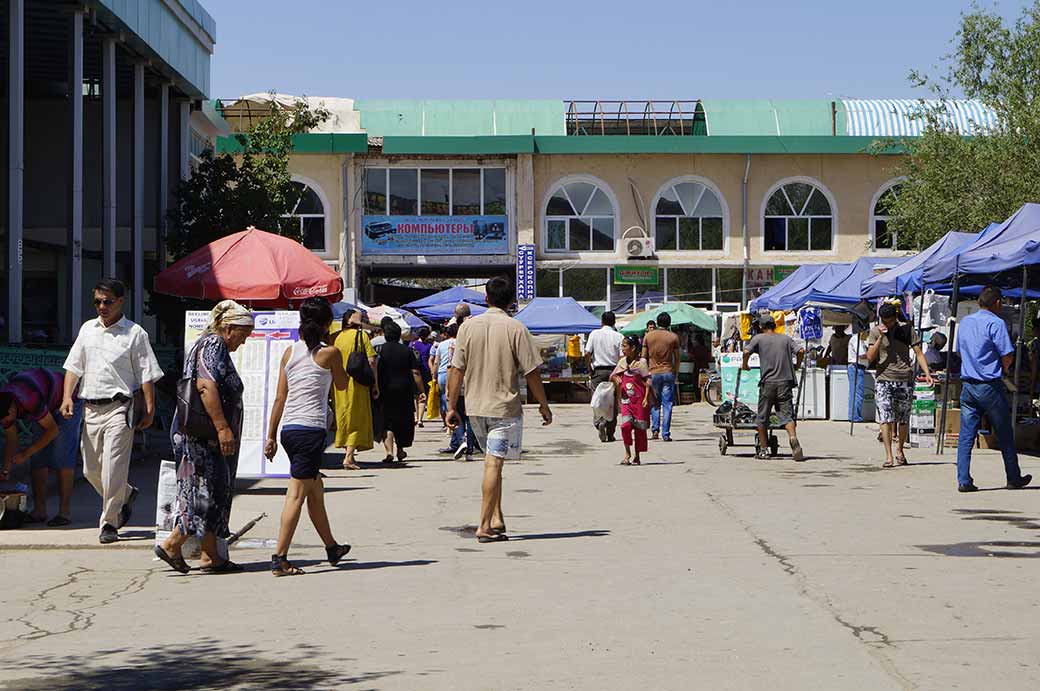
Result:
<point x="557" y="316"/>
<point x="801" y="277"/>
<point x="907" y="277"/>
<point x="1000" y="255"/>
<point x="841" y="289"/>
<point x="446" y="311"/>
<point x="451" y="295"/>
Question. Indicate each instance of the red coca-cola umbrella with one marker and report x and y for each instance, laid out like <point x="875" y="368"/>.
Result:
<point x="255" y="267"/>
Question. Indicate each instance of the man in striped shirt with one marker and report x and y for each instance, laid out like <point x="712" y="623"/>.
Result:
<point x="34" y="398"/>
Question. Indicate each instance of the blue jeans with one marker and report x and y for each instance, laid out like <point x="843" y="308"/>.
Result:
<point x="859" y="379"/>
<point x="464" y="428"/>
<point x="661" y="414"/>
<point x="989" y="399"/>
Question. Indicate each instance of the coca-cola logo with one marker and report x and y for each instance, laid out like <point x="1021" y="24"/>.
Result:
<point x="313" y="290"/>
<point x="192" y="270"/>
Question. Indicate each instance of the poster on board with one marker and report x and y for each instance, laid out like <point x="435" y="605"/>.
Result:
<point x="257" y="364"/>
<point x="446" y="235"/>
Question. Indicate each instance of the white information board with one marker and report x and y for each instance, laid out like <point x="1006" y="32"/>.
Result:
<point x="257" y="364"/>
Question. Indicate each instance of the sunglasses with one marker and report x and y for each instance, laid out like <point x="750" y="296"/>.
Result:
<point x="104" y="301"/>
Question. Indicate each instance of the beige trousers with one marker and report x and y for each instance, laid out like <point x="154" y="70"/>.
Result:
<point x="106" y="444"/>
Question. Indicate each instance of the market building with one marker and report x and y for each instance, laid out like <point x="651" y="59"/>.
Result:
<point x="105" y="110"/>
<point x="622" y="203"/>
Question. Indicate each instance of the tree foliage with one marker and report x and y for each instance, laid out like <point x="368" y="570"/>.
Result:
<point x="228" y="193"/>
<point x="963" y="183"/>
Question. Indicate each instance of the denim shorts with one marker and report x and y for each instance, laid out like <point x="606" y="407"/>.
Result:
<point x="500" y="437"/>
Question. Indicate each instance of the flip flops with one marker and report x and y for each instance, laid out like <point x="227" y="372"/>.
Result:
<point x="176" y="563"/>
<point x="500" y="537"/>
<point x="226" y="566"/>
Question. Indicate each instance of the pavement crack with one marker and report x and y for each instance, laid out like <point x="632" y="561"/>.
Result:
<point x="79" y="614"/>
<point x="875" y="640"/>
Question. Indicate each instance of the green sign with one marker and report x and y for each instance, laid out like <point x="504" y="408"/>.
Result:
<point x="637" y="276"/>
<point x="782" y="272"/>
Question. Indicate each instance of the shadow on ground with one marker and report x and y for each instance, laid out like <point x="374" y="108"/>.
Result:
<point x="202" y="664"/>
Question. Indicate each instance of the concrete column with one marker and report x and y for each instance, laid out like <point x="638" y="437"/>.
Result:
<point x="15" y="165"/>
<point x="184" y="124"/>
<point x="137" y="227"/>
<point x="74" y="240"/>
<point x="346" y="256"/>
<point x="525" y="202"/>
<point x="108" y="157"/>
<point x="162" y="203"/>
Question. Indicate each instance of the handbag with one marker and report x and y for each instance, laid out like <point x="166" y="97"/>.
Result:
<point x="191" y="412"/>
<point x="357" y="364"/>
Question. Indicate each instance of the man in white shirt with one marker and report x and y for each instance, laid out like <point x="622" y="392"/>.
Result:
<point x="602" y="352"/>
<point x="856" y="369"/>
<point x="110" y="361"/>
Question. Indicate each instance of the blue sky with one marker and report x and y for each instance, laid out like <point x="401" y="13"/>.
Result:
<point x="581" y="50"/>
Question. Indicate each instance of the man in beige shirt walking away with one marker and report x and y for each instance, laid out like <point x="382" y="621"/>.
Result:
<point x="491" y="352"/>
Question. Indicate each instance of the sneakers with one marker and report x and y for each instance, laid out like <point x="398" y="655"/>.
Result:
<point x="447" y="449"/>
<point x="108" y="535"/>
<point x="763" y="455"/>
<point x="463" y="450"/>
<point x="1022" y="482"/>
<point x="796" y="451"/>
<point x="128" y="507"/>
<point x="969" y="487"/>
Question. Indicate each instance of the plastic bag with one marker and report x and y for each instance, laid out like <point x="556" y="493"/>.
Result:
<point x="433" y="401"/>
<point x="603" y="401"/>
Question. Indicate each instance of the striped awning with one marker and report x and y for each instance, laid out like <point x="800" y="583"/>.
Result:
<point x="904" y="118"/>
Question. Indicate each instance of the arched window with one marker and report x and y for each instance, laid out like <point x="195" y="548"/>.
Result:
<point x="308" y="214"/>
<point x="689" y="216"/>
<point x="579" y="217"/>
<point x="881" y="235"/>
<point x="798" y="218"/>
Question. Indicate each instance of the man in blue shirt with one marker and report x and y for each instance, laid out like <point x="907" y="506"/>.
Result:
<point x="986" y="357"/>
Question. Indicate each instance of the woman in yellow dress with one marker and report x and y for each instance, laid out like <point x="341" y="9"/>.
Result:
<point x="354" y="404"/>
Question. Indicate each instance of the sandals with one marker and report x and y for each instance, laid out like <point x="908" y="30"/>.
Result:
<point x="389" y="458"/>
<point x="888" y="464"/>
<point x="337" y="552"/>
<point x="498" y="537"/>
<point x="351" y="465"/>
<point x="635" y="461"/>
<point x="401" y="455"/>
<point x="901" y="460"/>
<point x="280" y="566"/>
<point x="176" y="563"/>
<point x="58" y="521"/>
<point x="499" y="531"/>
<point x="226" y="566"/>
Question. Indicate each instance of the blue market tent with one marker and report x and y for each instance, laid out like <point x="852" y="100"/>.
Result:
<point x="446" y="311"/>
<point x="906" y="278"/>
<point x="803" y="276"/>
<point x="825" y="280"/>
<point x="996" y="249"/>
<point x="557" y="316"/>
<point x="844" y="289"/>
<point x="453" y="295"/>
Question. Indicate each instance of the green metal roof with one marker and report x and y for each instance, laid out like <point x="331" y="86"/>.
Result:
<point x="773" y="117"/>
<point x="502" y="144"/>
<point x="707" y="145"/>
<point x="434" y="118"/>
<point x="307" y="144"/>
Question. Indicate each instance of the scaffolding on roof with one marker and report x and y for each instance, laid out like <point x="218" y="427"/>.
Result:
<point x="652" y="117"/>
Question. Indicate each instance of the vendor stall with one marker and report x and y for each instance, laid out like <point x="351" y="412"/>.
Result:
<point x="557" y="325"/>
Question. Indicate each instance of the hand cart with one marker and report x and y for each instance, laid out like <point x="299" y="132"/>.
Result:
<point x="728" y="424"/>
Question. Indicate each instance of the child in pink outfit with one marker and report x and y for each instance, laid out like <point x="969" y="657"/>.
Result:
<point x="632" y="379"/>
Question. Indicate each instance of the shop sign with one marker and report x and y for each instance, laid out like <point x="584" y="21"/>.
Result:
<point x="759" y="277"/>
<point x="524" y="272"/>
<point x="782" y="272"/>
<point x="434" y="235"/>
<point x="637" y="276"/>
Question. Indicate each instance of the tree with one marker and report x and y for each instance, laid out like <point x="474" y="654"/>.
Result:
<point x="963" y="183"/>
<point x="228" y="192"/>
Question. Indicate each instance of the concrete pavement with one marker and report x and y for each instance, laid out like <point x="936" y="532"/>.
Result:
<point x="693" y="571"/>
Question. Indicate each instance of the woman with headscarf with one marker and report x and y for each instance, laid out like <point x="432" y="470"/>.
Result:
<point x="354" y="404"/>
<point x="206" y="468"/>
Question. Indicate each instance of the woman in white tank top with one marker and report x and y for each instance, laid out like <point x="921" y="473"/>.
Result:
<point x="306" y="373"/>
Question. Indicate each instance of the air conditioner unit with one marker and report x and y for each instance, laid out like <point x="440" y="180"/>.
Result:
<point x="639" y="247"/>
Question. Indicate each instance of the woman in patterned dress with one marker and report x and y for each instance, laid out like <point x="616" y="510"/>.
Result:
<point x="206" y="469"/>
